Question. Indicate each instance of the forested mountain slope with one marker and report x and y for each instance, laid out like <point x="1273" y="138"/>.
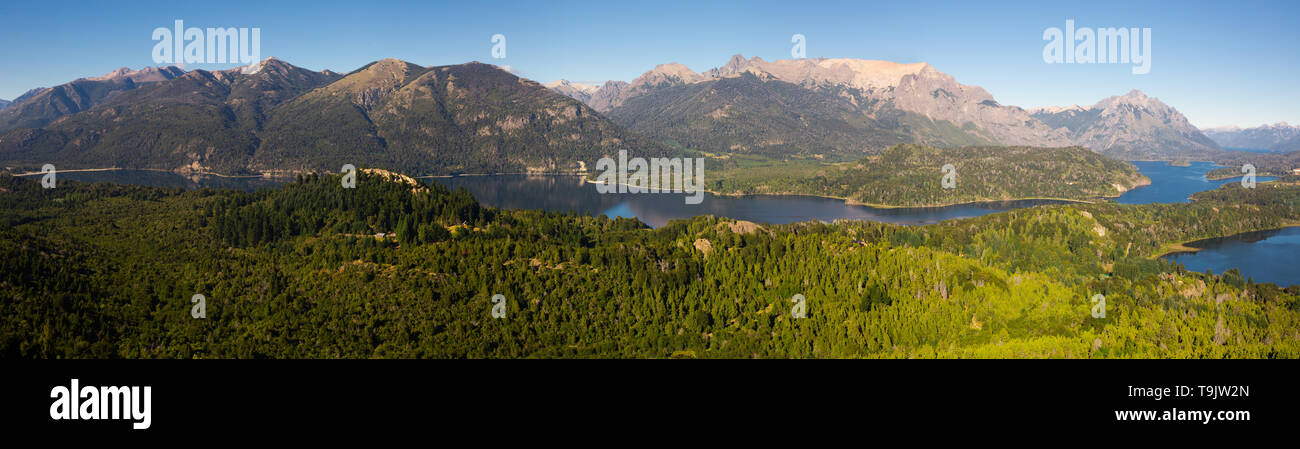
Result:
<point x="279" y="118"/>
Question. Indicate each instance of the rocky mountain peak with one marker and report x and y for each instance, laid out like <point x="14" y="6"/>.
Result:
<point x="1130" y="126"/>
<point x="577" y="91"/>
<point x="1133" y="98"/>
<point x="671" y="73"/>
<point x="145" y="75"/>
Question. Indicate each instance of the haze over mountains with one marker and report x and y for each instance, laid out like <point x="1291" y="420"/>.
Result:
<point x="879" y="103"/>
<point x="1275" y="137"/>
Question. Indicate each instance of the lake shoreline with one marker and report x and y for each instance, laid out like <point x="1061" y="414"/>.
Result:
<point x="853" y="202"/>
<point x="158" y="170"/>
<point x="1189" y="247"/>
<point x="283" y="174"/>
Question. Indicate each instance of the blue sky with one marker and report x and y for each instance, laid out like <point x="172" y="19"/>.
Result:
<point x="1220" y="63"/>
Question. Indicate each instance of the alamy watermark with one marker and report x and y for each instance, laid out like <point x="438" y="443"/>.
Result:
<point x="50" y="179"/>
<point x="195" y="45"/>
<point x="498" y="46"/>
<point x="1099" y="46"/>
<point x="76" y="402"/>
<point x="498" y="309"/>
<point x="949" y="179"/>
<point x="349" y="180"/>
<point x="657" y="175"/>
<point x="1099" y="306"/>
<point x="200" y="309"/>
<point x="800" y="48"/>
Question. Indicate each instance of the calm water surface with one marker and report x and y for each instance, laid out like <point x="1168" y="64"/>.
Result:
<point x="1266" y="256"/>
<point x="1171" y="184"/>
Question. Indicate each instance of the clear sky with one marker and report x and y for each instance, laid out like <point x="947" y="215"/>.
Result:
<point x="1220" y="63"/>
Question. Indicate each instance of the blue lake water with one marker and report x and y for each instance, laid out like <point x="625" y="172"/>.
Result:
<point x="1170" y="184"/>
<point x="570" y="193"/>
<point x="1266" y="256"/>
<point x="168" y="179"/>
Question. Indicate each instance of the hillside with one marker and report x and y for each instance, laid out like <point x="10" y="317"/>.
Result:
<point x="199" y="121"/>
<point x="749" y="114"/>
<point x="463" y="118"/>
<point x="274" y="117"/>
<point x="39" y="107"/>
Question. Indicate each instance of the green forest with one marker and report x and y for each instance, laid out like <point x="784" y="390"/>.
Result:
<point x="910" y="175"/>
<point x="393" y="269"/>
<point x="1266" y="164"/>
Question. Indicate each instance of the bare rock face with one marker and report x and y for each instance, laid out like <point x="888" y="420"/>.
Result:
<point x="613" y="93"/>
<point x="872" y="86"/>
<point x="608" y="96"/>
<point x="145" y="75"/>
<point x="861" y="74"/>
<point x="915" y="87"/>
<point x="576" y="91"/>
<point x="938" y="96"/>
<point x="1131" y="126"/>
<point x="704" y="246"/>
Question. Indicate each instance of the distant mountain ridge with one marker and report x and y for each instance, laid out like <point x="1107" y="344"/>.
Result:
<point x="1131" y="126"/>
<point x="580" y="92"/>
<point x="1275" y="137"/>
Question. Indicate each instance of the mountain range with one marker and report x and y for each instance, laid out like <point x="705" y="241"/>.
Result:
<point x="1279" y="137"/>
<point x="873" y="104"/>
<point x="276" y="117"/>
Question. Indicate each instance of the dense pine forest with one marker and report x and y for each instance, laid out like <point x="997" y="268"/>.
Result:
<point x="399" y="269"/>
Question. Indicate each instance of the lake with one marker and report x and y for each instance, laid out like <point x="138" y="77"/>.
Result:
<point x="168" y="179"/>
<point x="1265" y="256"/>
<point x="1257" y="255"/>
<point x="1170" y="184"/>
<point x="572" y="194"/>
